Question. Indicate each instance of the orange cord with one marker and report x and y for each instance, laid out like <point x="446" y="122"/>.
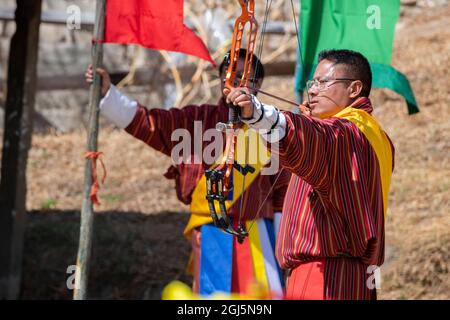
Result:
<point x="93" y="155"/>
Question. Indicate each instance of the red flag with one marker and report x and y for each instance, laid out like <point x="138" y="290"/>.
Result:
<point x="155" y="24"/>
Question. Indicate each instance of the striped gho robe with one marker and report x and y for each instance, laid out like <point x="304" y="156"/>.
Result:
<point x="155" y="127"/>
<point x="333" y="223"/>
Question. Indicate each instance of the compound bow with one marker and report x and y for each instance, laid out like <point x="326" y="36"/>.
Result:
<point x="219" y="180"/>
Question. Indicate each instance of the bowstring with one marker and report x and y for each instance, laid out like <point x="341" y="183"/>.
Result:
<point x="299" y="42"/>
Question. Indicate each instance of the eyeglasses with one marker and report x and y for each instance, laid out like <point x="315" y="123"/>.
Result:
<point x="321" y="84"/>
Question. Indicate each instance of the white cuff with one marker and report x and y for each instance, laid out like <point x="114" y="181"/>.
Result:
<point x="118" y="108"/>
<point x="268" y="121"/>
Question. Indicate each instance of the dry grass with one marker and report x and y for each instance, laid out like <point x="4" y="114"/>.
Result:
<point x="418" y="228"/>
<point x="140" y="248"/>
<point x="134" y="179"/>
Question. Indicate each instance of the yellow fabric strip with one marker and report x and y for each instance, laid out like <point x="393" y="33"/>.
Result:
<point x="258" y="156"/>
<point x="379" y="142"/>
<point x="257" y="256"/>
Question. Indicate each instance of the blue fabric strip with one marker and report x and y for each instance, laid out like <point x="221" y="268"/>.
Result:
<point x="215" y="260"/>
<point x="231" y="192"/>
<point x="271" y="232"/>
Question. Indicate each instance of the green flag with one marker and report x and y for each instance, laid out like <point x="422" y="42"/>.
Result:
<point x="366" y="26"/>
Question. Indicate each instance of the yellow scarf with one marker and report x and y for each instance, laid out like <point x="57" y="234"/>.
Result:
<point x="379" y="142"/>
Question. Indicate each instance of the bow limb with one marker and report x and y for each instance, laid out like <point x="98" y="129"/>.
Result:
<point x="247" y="17"/>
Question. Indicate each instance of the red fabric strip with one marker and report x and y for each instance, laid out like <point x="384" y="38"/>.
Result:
<point x="196" y="254"/>
<point x="94" y="40"/>
<point x="242" y="273"/>
<point x="95" y="184"/>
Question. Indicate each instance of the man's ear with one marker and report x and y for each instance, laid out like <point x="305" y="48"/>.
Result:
<point x="355" y="89"/>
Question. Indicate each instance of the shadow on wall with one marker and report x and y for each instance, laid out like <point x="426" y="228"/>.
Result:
<point x="134" y="255"/>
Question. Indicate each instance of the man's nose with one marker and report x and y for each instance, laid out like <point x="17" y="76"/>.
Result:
<point x="313" y="91"/>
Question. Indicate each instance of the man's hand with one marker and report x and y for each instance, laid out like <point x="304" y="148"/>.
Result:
<point x="106" y="80"/>
<point x="305" y="108"/>
<point x="240" y="97"/>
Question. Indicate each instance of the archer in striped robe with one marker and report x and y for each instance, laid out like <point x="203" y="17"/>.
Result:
<point x="333" y="228"/>
<point x="331" y="237"/>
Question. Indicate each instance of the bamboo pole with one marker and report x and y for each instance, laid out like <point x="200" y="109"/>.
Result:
<point x="87" y="217"/>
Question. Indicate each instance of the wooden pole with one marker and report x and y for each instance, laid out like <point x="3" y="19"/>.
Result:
<point x="19" y="109"/>
<point x="87" y="217"/>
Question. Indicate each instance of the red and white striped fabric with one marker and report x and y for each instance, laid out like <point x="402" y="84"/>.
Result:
<point x="333" y="210"/>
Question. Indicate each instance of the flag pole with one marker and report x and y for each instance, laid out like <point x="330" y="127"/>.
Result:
<point x="87" y="217"/>
<point x="299" y="94"/>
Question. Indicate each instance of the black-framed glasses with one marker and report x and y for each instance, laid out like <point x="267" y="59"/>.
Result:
<point x="321" y="84"/>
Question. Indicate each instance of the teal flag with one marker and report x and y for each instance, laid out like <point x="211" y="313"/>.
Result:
<point x="366" y="26"/>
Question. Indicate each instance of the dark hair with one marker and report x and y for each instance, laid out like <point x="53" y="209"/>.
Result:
<point x="258" y="67"/>
<point x="356" y="66"/>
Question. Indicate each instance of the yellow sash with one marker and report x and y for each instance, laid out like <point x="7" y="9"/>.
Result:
<point x="258" y="156"/>
<point x="379" y="142"/>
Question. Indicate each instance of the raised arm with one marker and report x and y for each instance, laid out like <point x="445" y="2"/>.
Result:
<point x="154" y="126"/>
